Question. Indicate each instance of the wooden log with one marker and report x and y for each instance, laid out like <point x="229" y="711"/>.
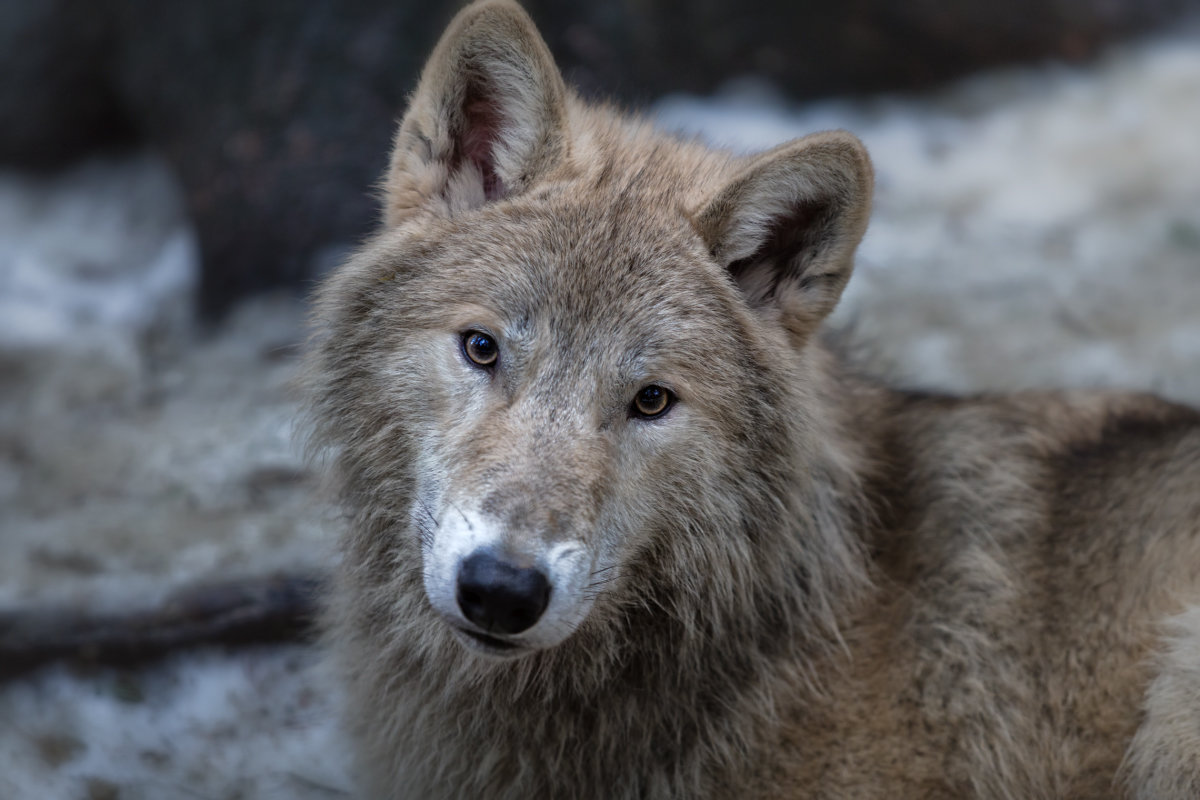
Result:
<point x="254" y="610"/>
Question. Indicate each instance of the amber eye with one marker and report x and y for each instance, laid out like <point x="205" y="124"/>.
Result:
<point x="652" y="401"/>
<point x="480" y="348"/>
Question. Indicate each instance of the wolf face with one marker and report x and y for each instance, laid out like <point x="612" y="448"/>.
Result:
<point x="552" y="400"/>
<point x="567" y="346"/>
<point x="558" y="367"/>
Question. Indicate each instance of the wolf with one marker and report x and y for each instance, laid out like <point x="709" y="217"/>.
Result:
<point x="625" y="522"/>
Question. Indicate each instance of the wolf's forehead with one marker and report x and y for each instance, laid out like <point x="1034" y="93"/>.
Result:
<point x="595" y="281"/>
<point x="595" y="261"/>
<point x="624" y="288"/>
<point x="587" y="303"/>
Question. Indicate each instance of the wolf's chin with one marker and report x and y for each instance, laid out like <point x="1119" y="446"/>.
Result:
<point x="491" y="646"/>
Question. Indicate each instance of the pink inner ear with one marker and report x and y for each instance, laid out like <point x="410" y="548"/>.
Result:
<point x="482" y="122"/>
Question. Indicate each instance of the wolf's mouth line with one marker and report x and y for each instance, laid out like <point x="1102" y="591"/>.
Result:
<point x="490" y="641"/>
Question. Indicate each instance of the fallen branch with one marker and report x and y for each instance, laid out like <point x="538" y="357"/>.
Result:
<point x="263" y="609"/>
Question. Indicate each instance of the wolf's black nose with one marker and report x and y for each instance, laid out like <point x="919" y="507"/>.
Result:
<point x="501" y="597"/>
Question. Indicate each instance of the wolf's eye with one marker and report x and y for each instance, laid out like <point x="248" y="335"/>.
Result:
<point x="480" y="348"/>
<point x="652" y="401"/>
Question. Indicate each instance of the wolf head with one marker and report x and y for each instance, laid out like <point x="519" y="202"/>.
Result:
<point x="567" y="377"/>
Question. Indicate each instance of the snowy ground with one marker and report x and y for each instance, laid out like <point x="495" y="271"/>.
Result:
<point x="1033" y="227"/>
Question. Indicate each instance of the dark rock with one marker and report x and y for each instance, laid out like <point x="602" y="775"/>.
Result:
<point x="57" y="98"/>
<point x="277" y="116"/>
<point x="810" y="49"/>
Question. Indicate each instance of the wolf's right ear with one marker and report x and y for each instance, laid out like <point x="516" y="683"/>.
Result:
<point x="487" y="119"/>
<point x="787" y="227"/>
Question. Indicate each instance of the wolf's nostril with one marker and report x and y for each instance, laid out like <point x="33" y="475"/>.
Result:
<point x="499" y="596"/>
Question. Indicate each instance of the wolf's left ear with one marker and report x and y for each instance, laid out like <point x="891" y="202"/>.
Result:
<point x="487" y="119"/>
<point x="786" y="228"/>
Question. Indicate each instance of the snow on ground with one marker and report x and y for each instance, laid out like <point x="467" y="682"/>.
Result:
<point x="136" y="452"/>
<point x="201" y="725"/>
<point x="1033" y="227"/>
<point x="139" y="453"/>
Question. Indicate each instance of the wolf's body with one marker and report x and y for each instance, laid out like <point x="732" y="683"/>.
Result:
<point x="793" y="582"/>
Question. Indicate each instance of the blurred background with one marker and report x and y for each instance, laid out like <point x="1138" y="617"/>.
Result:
<point x="174" y="178"/>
